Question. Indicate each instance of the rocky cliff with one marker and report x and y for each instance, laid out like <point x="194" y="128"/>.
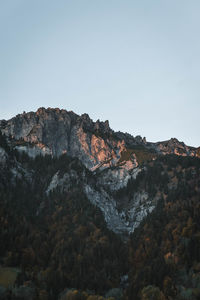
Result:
<point x="55" y="131"/>
<point x="114" y="158"/>
<point x="104" y="212"/>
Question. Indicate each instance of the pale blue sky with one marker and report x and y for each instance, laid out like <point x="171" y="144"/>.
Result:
<point x="135" y="63"/>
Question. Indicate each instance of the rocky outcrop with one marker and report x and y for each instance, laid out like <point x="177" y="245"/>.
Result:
<point x="174" y="146"/>
<point x="121" y="221"/>
<point x="55" y="131"/>
<point x="117" y="178"/>
<point x="11" y="168"/>
<point x="3" y="157"/>
<point x="113" y="158"/>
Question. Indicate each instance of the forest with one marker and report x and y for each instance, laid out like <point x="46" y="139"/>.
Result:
<point x="57" y="246"/>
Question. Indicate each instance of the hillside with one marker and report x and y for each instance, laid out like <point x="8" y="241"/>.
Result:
<point x="86" y="211"/>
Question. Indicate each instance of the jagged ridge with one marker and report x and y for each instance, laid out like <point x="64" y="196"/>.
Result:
<point x="115" y="157"/>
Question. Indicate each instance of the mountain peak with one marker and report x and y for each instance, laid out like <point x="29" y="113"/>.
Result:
<point x="56" y="131"/>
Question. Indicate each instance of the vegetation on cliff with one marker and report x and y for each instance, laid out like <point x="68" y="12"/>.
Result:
<point x="56" y="245"/>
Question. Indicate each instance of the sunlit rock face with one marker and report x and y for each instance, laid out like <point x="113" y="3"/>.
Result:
<point x="112" y="157"/>
<point x="55" y="131"/>
<point x="174" y="146"/>
<point x="99" y="148"/>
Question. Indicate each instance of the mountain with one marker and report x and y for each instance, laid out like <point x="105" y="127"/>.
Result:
<point x="55" y="131"/>
<point x="114" y="156"/>
<point x="86" y="211"/>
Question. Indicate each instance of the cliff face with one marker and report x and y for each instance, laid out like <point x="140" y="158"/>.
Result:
<point x="116" y="156"/>
<point x="55" y="131"/>
<point x="174" y="146"/>
<point x="56" y="210"/>
<point x="113" y="157"/>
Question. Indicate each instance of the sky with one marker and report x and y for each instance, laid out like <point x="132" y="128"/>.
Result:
<point x="135" y="63"/>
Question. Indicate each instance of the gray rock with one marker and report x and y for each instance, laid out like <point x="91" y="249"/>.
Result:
<point x="3" y="157"/>
<point x="55" y="131"/>
<point x="107" y="154"/>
